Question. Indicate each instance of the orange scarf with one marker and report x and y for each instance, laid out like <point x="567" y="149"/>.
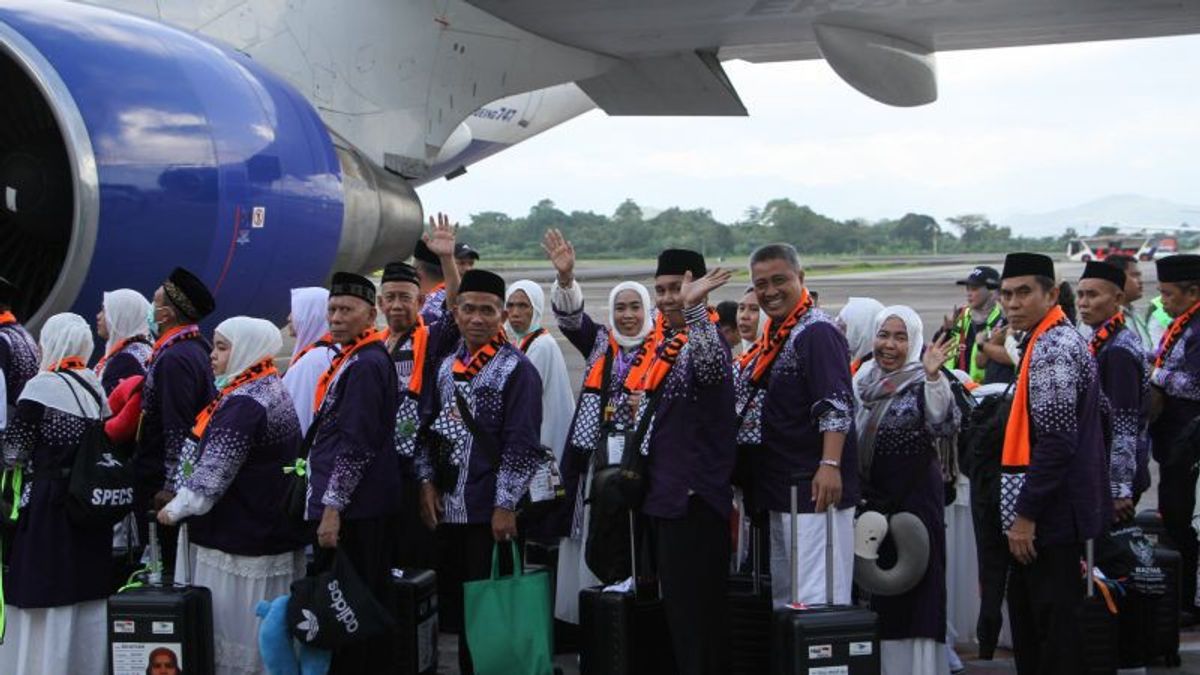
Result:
<point x="69" y="363"/>
<point x="367" y="337"/>
<point x="116" y="350"/>
<point x="1016" y="435"/>
<point x="176" y="334"/>
<point x="595" y="377"/>
<point x="480" y="359"/>
<point x="420" y="341"/>
<point x="255" y="372"/>
<point x="1105" y="333"/>
<point x="768" y="345"/>
<point x="325" y="340"/>
<point x="7" y="318"/>
<point x="647" y="374"/>
<point x="1173" y="334"/>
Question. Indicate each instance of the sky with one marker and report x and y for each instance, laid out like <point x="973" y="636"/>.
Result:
<point x="1019" y="130"/>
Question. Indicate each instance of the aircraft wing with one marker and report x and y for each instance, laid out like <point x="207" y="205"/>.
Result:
<point x="670" y="49"/>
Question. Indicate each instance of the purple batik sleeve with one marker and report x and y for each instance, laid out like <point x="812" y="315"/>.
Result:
<point x="520" y="435"/>
<point x="1054" y="374"/>
<point x="360" y="407"/>
<point x="225" y="446"/>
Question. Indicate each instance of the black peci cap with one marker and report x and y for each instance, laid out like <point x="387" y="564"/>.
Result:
<point x="680" y="261"/>
<point x="348" y="283"/>
<point x="189" y="294"/>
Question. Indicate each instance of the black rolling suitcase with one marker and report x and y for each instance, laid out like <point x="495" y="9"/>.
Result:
<point x="750" y="617"/>
<point x="623" y="633"/>
<point x="156" y="623"/>
<point x="1162" y="614"/>
<point x="1098" y="627"/>
<point x="823" y="639"/>
<point x="416" y="610"/>
<point x="1153" y="527"/>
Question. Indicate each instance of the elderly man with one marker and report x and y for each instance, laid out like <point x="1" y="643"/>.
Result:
<point x="178" y="385"/>
<point x="483" y="446"/>
<point x="1175" y="380"/>
<point x="354" y="471"/>
<point x="1054" y="483"/>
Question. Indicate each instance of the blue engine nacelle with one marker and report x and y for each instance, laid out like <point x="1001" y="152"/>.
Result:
<point x="128" y="147"/>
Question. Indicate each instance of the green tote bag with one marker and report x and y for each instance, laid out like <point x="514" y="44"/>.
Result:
<point x="508" y="622"/>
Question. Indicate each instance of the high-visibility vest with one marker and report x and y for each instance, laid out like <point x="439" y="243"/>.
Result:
<point x="961" y="329"/>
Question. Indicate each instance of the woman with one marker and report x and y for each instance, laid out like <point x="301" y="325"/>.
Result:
<point x="749" y="321"/>
<point x="122" y="323"/>
<point x="906" y="403"/>
<point x="229" y="486"/>
<point x="313" y="351"/>
<point x="525" y="304"/>
<point x="610" y="351"/>
<point x="857" y="320"/>
<point x="58" y="577"/>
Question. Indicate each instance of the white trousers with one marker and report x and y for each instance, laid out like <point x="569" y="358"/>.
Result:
<point x="810" y="564"/>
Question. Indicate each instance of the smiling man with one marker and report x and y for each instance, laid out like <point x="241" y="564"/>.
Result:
<point x="1054" y="484"/>
<point x="796" y="403"/>
<point x="1176" y="390"/>
<point x="483" y="446"/>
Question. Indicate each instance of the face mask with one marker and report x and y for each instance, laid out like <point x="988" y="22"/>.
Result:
<point x="222" y="381"/>
<point x="151" y="322"/>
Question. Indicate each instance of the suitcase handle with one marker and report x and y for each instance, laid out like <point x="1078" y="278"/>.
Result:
<point x="1091" y="586"/>
<point x="155" y="578"/>
<point x="183" y="556"/>
<point x="795" y="532"/>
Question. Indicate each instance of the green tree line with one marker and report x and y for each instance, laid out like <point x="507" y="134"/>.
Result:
<point x="628" y="233"/>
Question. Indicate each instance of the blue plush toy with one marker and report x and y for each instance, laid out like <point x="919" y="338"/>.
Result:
<point x="279" y="650"/>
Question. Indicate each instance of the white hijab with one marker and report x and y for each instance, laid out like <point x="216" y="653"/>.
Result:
<point x="309" y="316"/>
<point x="251" y="340"/>
<point x="125" y="316"/>
<point x="536" y="298"/>
<point x="627" y="341"/>
<point x="63" y="336"/>
<point x="858" y="320"/>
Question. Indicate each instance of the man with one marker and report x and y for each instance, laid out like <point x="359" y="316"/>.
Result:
<point x="975" y="323"/>
<point x="354" y="488"/>
<point x="686" y="391"/>
<point x="465" y="257"/>
<point x="797" y="403"/>
<point x="1175" y="380"/>
<point x="18" y="349"/>
<point x="1054" y="488"/>
<point x="416" y="351"/>
<point x="1135" y="320"/>
<point x="483" y="443"/>
<point x="1124" y="379"/>
<point x="178" y="385"/>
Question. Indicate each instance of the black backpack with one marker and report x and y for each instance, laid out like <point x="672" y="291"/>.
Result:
<point x="100" y="479"/>
<point x="981" y="444"/>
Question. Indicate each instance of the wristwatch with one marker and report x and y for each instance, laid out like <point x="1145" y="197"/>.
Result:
<point x="831" y="462"/>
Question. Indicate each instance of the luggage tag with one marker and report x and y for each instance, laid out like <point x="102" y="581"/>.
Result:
<point x="546" y="484"/>
<point x="615" y="447"/>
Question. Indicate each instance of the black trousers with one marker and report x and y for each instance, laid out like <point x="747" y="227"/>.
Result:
<point x="465" y="554"/>
<point x="417" y="546"/>
<point x="1045" y="599"/>
<point x="693" y="568"/>
<point x="991" y="553"/>
<point x="1176" y="499"/>
<point x="370" y="545"/>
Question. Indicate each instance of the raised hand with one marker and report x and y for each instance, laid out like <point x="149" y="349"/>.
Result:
<point x="937" y="353"/>
<point x="441" y="236"/>
<point x="561" y="254"/>
<point x="693" y="291"/>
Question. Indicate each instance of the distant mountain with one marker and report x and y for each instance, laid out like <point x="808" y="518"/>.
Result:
<point x="1128" y="212"/>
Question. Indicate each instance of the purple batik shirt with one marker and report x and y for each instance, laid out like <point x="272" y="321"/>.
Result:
<point x="499" y="397"/>
<point x="252" y="434"/>
<point x="353" y="465"/>
<point x="691" y="437"/>
<point x="179" y="383"/>
<point x="1179" y="379"/>
<point x="18" y="359"/>
<point x="808" y="392"/>
<point x="1125" y="381"/>
<point x="1066" y="489"/>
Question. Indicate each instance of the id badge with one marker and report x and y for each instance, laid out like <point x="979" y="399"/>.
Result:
<point x="615" y="447"/>
<point x="541" y="488"/>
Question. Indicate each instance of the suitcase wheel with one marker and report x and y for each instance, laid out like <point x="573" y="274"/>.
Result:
<point x="1173" y="660"/>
